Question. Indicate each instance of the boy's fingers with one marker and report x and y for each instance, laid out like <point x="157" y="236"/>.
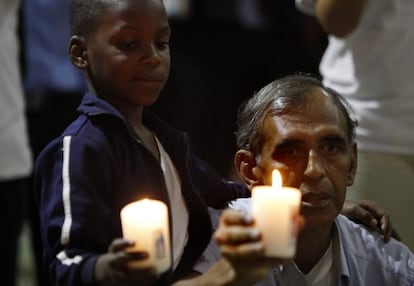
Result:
<point x="119" y="244"/>
<point x="137" y="255"/>
<point x="385" y="226"/>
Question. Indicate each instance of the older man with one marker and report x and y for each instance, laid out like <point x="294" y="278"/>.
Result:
<point x="306" y="130"/>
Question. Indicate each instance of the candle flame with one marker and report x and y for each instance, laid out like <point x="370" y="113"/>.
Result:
<point x="276" y="179"/>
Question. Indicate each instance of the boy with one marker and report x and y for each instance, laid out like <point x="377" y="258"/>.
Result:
<point x="115" y="153"/>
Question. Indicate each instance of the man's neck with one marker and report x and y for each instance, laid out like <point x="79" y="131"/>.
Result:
<point x="312" y="245"/>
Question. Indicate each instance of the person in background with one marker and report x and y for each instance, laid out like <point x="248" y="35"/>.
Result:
<point x="230" y="49"/>
<point x="369" y="61"/>
<point x="307" y="131"/>
<point x="15" y="155"/>
<point x="53" y="88"/>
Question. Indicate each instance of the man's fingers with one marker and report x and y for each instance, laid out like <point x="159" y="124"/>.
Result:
<point x="243" y="251"/>
<point x="235" y="217"/>
<point x="236" y="234"/>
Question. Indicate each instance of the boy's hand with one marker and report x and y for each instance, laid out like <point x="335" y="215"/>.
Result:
<point x="370" y="214"/>
<point x="240" y="243"/>
<point x="113" y="268"/>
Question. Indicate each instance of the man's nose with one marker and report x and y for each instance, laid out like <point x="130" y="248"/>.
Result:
<point x="314" y="167"/>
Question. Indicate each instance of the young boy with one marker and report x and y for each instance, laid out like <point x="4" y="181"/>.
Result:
<point x="116" y="153"/>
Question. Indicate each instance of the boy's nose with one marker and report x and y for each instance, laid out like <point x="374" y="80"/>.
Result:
<point x="152" y="55"/>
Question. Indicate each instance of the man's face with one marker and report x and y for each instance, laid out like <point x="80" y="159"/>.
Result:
<point x="311" y="148"/>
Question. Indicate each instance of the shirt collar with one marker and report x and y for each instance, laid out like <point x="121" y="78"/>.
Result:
<point x="339" y="263"/>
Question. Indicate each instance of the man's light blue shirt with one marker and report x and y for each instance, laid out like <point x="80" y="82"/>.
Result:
<point x="360" y="257"/>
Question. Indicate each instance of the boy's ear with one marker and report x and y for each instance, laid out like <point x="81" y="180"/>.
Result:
<point x="353" y="166"/>
<point x="77" y="52"/>
<point x="245" y="164"/>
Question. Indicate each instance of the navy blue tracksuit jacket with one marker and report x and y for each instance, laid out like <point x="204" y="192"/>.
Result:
<point x="97" y="166"/>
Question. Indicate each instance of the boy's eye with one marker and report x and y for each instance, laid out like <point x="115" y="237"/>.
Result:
<point x="163" y="45"/>
<point x="128" y="45"/>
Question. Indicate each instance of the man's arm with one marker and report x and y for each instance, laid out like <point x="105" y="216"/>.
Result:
<point x="339" y="17"/>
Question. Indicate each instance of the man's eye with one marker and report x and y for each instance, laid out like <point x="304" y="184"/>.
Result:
<point x="287" y="153"/>
<point x="290" y="151"/>
<point x="331" y="148"/>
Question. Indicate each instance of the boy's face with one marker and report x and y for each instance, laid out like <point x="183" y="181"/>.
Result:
<point x="128" y="57"/>
<point x="312" y="150"/>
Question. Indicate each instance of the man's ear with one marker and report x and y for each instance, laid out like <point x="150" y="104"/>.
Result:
<point x="353" y="166"/>
<point x="77" y="52"/>
<point x="245" y="164"/>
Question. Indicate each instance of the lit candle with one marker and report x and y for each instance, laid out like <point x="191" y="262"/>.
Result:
<point x="276" y="212"/>
<point x="146" y="223"/>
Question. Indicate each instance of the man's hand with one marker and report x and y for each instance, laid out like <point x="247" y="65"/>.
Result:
<point x="116" y="268"/>
<point x="240" y="243"/>
<point x="220" y="274"/>
<point x="370" y="214"/>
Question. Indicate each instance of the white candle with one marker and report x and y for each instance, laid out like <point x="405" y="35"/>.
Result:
<point x="276" y="211"/>
<point x="146" y="223"/>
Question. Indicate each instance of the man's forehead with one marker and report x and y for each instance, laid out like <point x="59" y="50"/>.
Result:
<point x="303" y="123"/>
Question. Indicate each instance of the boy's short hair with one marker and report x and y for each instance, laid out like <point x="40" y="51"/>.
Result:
<point x="85" y="15"/>
<point x="287" y="94"/>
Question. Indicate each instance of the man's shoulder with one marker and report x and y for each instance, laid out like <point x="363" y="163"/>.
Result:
<point x="359" y="236"/>
<point x="361" y="248"/>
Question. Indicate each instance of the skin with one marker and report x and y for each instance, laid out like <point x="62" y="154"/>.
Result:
<point x="311" y="148"/>
<point x="127" y="59"/>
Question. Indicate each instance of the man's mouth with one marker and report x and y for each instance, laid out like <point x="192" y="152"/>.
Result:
<point x="316" y="200"/>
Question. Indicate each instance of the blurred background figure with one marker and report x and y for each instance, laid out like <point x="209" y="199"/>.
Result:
<point x="53" y="87"/>
<point x="370" y="61"/>
<point x="15" y="157"/>
<point x="223" y="51"/>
